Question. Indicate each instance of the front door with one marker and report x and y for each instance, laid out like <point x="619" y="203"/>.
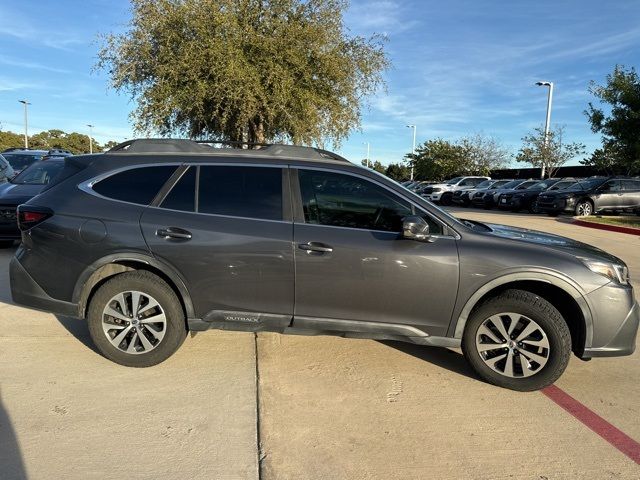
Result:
<point x="226" y="230"/>
<point x="609" y="195"/>
<point x="353" y="264"/>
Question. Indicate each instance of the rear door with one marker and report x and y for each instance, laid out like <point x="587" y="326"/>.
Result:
<point x="228" y="230"/>
<point x="353" y="264"/>
<point x="631" y="194"/>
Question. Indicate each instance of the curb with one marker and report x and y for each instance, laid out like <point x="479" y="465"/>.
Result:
<point x="611" y="228"/>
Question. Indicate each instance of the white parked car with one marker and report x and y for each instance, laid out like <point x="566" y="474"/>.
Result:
<point x="443" y="192"/>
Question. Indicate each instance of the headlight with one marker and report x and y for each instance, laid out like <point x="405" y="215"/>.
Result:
<point x="613" y="271"/>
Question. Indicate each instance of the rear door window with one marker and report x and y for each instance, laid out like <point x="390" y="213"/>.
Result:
<point x="631" y="185"/>
<point x="183" y="194"/>
<point x="135" y="185"/>
<point x="240" y="191"/>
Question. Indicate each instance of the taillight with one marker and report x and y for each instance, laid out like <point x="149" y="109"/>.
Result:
<point x="29" y="217"/>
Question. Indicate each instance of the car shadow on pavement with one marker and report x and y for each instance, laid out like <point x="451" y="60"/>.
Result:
<point x="79" y="329"/>
<point x="11" y="463"/>
<point x="442" y="357"/>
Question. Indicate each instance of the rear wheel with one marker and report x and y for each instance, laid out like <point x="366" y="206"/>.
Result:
<point x="135" y="319"/>
<point x="533" y="207"/>
<point x="517" y="340"/>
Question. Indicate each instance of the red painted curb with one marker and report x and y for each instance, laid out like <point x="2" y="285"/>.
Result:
<point x="611" y="228"/>
<point x="595" y="422"/>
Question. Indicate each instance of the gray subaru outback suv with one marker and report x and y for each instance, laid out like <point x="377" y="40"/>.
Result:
<point x="159" y="237"/>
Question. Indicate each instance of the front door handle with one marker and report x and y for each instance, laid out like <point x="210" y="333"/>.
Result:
<point x="174" y="232"/>
<point x="315" y="247"/>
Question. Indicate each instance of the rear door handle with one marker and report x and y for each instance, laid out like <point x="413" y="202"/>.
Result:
<point x="315" y="247"/>
<point x="173" y="232"/>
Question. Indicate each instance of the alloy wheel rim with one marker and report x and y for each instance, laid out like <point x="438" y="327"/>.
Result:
<point x="513" y="345"/>
<point x="584" y="209"/>
<point x="134" y="322"/>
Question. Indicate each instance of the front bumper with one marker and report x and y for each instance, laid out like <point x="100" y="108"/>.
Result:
<point x="25" y="291"/>
<point x="616" y="317"/>
<point x="435" y="197"/>
<point x="509" y="203"/>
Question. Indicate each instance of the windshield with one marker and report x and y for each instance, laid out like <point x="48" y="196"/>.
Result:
<point x="511" y="184"/>
<point x="19" y="161"/>
<point x="40" y="173"/>
<point x="562" y="185"/>
<point x="453" y="181"/>
<point x="527" y="184"/>
<point x="588" y="184"/>
<point x="485" y="184"/>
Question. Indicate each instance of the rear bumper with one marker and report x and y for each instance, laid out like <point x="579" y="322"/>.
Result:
<point x="25" y="291"/>
<point x="615" y="322"/>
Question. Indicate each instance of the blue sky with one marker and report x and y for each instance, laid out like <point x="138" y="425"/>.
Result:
<point x="459" y="67"/>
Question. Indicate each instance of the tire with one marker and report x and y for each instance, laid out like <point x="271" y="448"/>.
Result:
<point x="445" y="199"/>
<point x="584" y="208"/>
<point x="162" y="339"/>
<point x="528" y="311"/>
<point x="6" y="243"/>
<point x="533" y="207"/>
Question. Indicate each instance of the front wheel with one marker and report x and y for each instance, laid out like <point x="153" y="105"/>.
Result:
<point x="517" y="340"/>
<point x="135" y="319"/>
<point x="584" y="208"/>
<point x="446" y="199"/>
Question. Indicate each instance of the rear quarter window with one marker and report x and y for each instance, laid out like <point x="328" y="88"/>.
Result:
<point x="136" y="185"/>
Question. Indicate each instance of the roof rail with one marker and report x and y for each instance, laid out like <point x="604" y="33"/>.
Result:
<point x="179" y="145"/>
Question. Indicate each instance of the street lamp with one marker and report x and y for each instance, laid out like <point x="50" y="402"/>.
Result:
<point x="548" y="120"/>
<point x="413" y="146"/>
<point x="26" y="123"/>
<point x="90" y="139"/>
<point x="367" y="144"/>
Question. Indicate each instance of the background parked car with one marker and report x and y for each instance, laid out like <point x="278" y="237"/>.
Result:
<point x="526" y="199"/>
<point x="463" y="197"/>
<point x="19" y="190"/>
<point x="443" y="192"/>
<point x="493" y="201"/>
<point x="593" y="195"/>
<point x="485" y="198"/>
<point x="6" y="170"/>
<point x="19" y="159"/>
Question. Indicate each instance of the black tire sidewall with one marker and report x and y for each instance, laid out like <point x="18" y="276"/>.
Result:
<point x="154" y="286"/>
<point x="548" y="318"/>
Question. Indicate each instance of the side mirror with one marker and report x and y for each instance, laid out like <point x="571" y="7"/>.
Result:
<point x="416" y="228"/>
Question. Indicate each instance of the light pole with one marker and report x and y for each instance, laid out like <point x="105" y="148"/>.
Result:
<point x="413" y="146"/>
<point x="90" y="139"/>
<point x="26" y="123"/>
<point x="547" y="123"/>
<point x="367" y="144"/>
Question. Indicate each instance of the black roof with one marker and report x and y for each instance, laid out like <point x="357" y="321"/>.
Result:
<point x="208" y="147"/>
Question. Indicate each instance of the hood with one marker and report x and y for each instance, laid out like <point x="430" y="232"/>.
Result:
<point x="557" y="242"/>
<point x="15" y="194"/>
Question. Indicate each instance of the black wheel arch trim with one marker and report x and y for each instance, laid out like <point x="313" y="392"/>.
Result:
<point x="84" y="286"/>
<point x="539" y="275"/>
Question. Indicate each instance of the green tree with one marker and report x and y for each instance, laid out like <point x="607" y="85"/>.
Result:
<point x="439" y="160"/>
<point x="250" y="70"/>
<point x="620" y="127"/>
<point x="550" y="154"/>
<point x="374" y="165"/>
<point x="10" y="140"/>
<point x="398" y="172"/>
<point x="110" y="144"/>
<point x="484" y="154"/>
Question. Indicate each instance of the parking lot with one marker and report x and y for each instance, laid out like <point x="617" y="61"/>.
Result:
<point x="234" y="405"/>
